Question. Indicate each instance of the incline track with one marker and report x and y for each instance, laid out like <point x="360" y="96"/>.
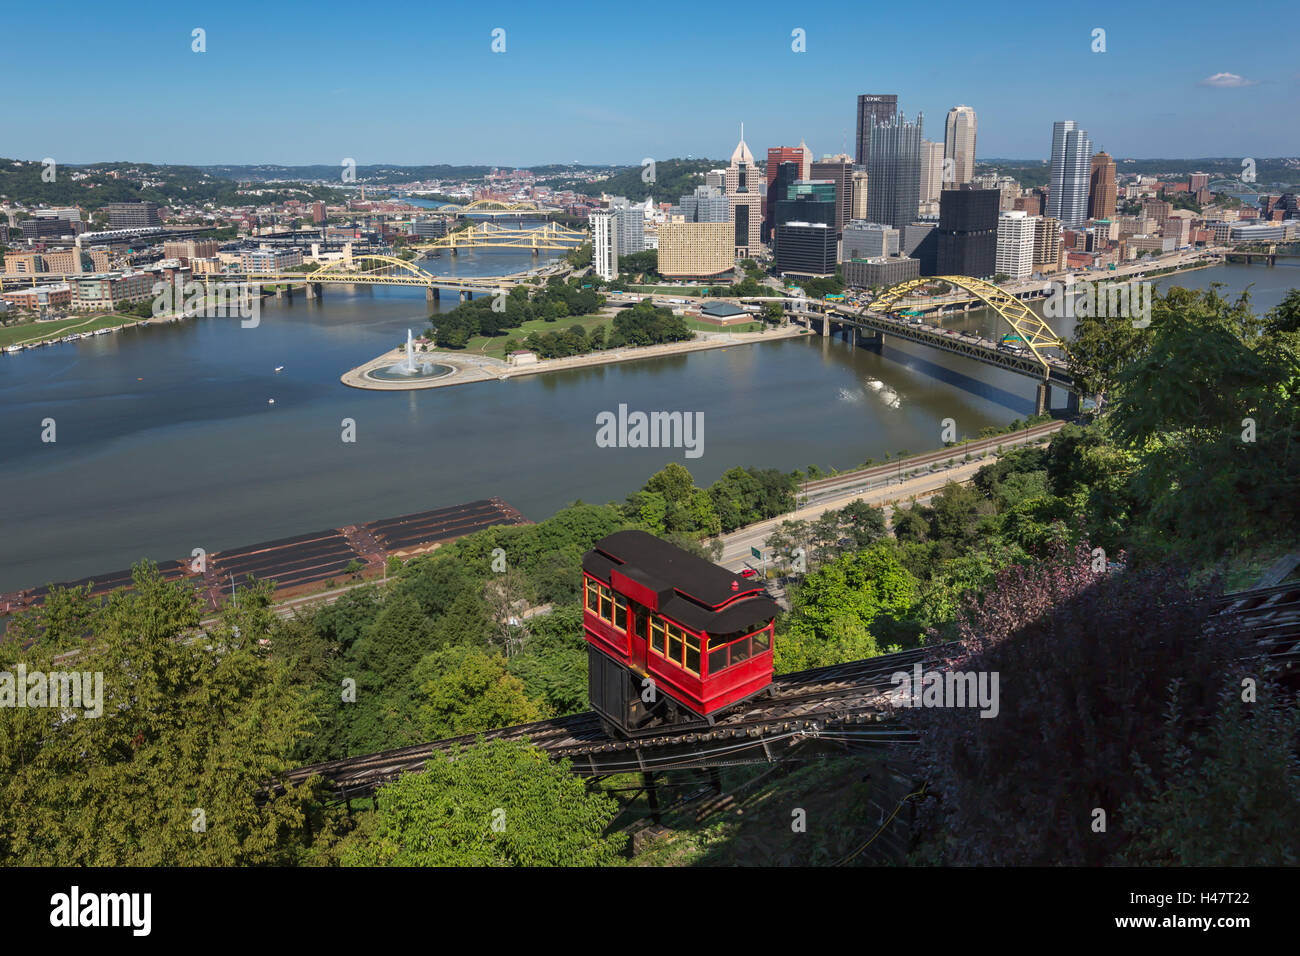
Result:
<point x="841" y="708"/>
<point x="799" y="707"/>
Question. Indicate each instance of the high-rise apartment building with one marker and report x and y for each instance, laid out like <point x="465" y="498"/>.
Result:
<point x="318" y="214"/>
<point x="968" y="232"/>
<point x="1047" y="242"/>
<point x="959" y="144"/>
<point x="1067" y="199"/>
<point x="604" y="243"/>
<point x="931" y="177"/>
<point x="872" y="107"/>
<point x="127" y="215"/>
<point x="629" y="226"/>
<point x="1103" y="190"/>
<point x="895" y="171"/>
<point x="839" y="170"/>
<point x="742" y="180"/>
<point x="1015" y="250"/>
<point x="1198" y="181"/>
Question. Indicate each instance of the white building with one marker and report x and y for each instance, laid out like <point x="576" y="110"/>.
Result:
<point x="604" y="243"/>
<point x="959" y="144"/>
<point x="1015" y="255"/>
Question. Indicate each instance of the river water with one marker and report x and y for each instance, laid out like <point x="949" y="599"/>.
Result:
<point x="167" y="441"/>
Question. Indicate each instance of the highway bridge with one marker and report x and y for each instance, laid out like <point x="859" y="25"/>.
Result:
<point x="488" y="235"/>
<point x="1041" y="357"/>
<point x="386" y="270"/>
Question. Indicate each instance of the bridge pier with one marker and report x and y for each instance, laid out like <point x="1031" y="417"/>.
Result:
<point x="314" y="290"/>
<point x="431" y="295"/>
<point x="872" y="339"/>
<point x="1042" y="398"/>
<point x="1072" y="404"/>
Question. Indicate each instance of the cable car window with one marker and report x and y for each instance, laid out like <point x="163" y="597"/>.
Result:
<point x="593" y="596"/>
<point x="739" y="650"/>
<point x="657" y="634"/>
<point x="717" y="660"/>
<point x="620" y="613"/>
<point x="675" y="644"/>
<point x="762" y="641"/>
<point x="692" y="653"/>
<point x="605" y="603"/>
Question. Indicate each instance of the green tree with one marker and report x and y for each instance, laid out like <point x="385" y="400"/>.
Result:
<point x="168" y="773"/>
<point x="497" y="803"/>
<point x="467" y="689"/>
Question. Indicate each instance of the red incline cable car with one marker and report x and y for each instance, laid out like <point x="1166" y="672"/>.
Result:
<point x="671" y="638"/>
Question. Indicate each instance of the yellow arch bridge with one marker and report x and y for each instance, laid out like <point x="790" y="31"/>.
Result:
<point x="387" y="270"/>
<point x="550" y="237"/>
<point x="1038" y="357"/>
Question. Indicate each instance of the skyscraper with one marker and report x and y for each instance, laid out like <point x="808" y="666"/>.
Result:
<point x="839" y="170"/>
<point x="604" y="243"/>
<point x="860" y="183"/>
<point x="959" y="144"/>
<point x="878" y="106"/>
<point x="1102" y="188"/>
<point x="894" y="170"/>
<point x="776" y="155"/>
<point x="746" y="200"/>
<point x="968" y="232"/>
<point x="1071" y="156"/>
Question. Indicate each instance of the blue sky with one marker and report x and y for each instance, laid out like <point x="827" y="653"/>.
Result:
<point x="615" y="82"/>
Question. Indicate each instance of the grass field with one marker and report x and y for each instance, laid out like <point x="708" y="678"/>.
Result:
<point x="40" y="331"/>
<point x="698" y="326"/>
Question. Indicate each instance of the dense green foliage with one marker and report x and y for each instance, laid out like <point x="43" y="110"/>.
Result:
<point x="496" y="315"/>
<point x="496" y="804"/>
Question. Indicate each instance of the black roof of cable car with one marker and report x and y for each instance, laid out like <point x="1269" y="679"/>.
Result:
<point x="666" y="568"/>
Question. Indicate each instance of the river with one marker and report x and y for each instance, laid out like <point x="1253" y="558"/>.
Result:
<point x="166" y="440"/>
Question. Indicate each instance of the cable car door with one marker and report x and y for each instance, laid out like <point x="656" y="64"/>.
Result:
<point x="637" y="632"/>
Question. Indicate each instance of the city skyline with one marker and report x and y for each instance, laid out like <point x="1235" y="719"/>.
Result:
<point x="1189" y="97"/>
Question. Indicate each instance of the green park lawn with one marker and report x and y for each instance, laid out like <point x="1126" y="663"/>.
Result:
<point x="30" y="332"/>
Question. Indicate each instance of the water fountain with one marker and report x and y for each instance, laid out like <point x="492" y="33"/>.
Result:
<point x="408" y="369"/>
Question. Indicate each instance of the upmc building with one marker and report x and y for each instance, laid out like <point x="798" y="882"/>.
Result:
<point x="884" y="107"/>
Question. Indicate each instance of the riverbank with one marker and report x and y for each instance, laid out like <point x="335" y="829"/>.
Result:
<point x="479" y="368"/>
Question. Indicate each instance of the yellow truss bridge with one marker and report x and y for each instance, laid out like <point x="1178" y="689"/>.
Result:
<point x="1033" y="331"/>
<point x="384" y="270"/>
<point x="491" y="205"/>
<point x="488" y="235"/>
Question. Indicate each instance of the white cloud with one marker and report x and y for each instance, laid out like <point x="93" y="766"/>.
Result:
<point x="1227" y="81"/>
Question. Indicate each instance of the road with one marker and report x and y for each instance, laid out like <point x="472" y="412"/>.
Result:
<point x="883" y="491"/>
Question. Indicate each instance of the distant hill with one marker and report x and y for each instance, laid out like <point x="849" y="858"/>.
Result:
<point x="95" y="185"/>
<point x="674" y="178"/>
